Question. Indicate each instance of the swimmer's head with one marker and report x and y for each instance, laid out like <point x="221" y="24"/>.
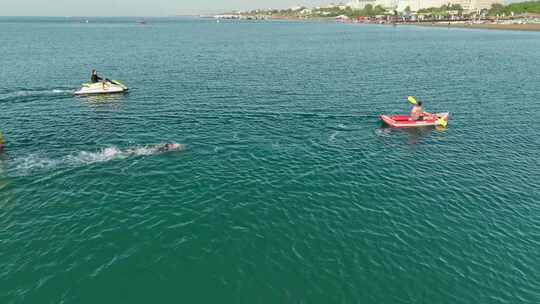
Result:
<point x="173" y="146"/>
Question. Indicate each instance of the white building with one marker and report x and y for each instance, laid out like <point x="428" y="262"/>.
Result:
<point x="415" y="5"/>
<point x="484" y="4"/>
<point x="360" y="4"/>
<point x="467" y="5"/>
<point x="295" y="8"/>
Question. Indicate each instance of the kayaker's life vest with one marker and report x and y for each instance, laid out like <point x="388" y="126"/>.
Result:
<point x="416" y="113"/>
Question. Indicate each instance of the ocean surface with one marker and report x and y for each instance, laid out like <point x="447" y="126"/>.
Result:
<point x="288" y="189"/>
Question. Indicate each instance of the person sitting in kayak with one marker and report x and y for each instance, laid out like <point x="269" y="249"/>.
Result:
<point x="417" y="113"/>
<point x="95" y="78"/>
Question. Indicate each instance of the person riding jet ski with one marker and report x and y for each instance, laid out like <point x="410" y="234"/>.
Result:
<point x="100" y="85"/>
<point x="95" y="78"/>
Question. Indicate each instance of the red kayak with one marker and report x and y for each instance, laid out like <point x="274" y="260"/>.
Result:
<point x="401" y="121"/>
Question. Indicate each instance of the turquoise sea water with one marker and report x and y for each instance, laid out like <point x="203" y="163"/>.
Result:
<point x="288" y="189"/>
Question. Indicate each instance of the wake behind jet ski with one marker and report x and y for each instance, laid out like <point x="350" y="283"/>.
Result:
<point x="99" y="85"/>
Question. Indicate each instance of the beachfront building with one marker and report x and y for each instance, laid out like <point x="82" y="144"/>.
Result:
<point x="485" y="4"/>
<point x="340" y="6"/>
<point x="360" y="4"/>
<point x="415" y="5"/>
<point x="467" y="5"/>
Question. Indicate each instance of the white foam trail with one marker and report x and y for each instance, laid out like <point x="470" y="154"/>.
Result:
<point x="30" y="93"/>
<point x="141" y="151"/>
<point x="111" y="153"/>
<point x="34" y="162"/>
<point x="104" y="155"/>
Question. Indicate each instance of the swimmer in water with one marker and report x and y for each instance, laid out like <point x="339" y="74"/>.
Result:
<point x="152" y="150"/>
<point x="168" y="147"/>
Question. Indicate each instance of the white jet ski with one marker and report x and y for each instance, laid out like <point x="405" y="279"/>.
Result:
<point x="102" y="87"/>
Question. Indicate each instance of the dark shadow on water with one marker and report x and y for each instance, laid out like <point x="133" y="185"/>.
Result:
<point x="413" y="135"/>
<point x="3" y="167"/>
<point x="102" y="100"/>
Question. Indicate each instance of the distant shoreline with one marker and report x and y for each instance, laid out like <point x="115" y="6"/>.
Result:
<point x="528" y="27"/>
<point x="531" y="27"/>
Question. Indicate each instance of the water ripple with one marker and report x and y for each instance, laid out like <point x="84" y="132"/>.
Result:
<point x="290" y="189"/>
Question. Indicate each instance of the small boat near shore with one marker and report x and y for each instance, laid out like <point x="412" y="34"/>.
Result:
<point x="105" y="87"/>
<point x="404" y="121"/>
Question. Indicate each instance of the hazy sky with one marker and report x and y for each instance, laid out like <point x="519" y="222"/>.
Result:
<point x="136" y="7"/>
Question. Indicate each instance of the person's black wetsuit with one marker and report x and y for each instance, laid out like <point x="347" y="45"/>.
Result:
<point x="163" y="148"/>
<point x="95" y="78"/>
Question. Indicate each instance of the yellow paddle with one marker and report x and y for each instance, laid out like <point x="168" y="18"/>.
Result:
<point x="441" y="122"/>
<point x="412" y="100"/>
